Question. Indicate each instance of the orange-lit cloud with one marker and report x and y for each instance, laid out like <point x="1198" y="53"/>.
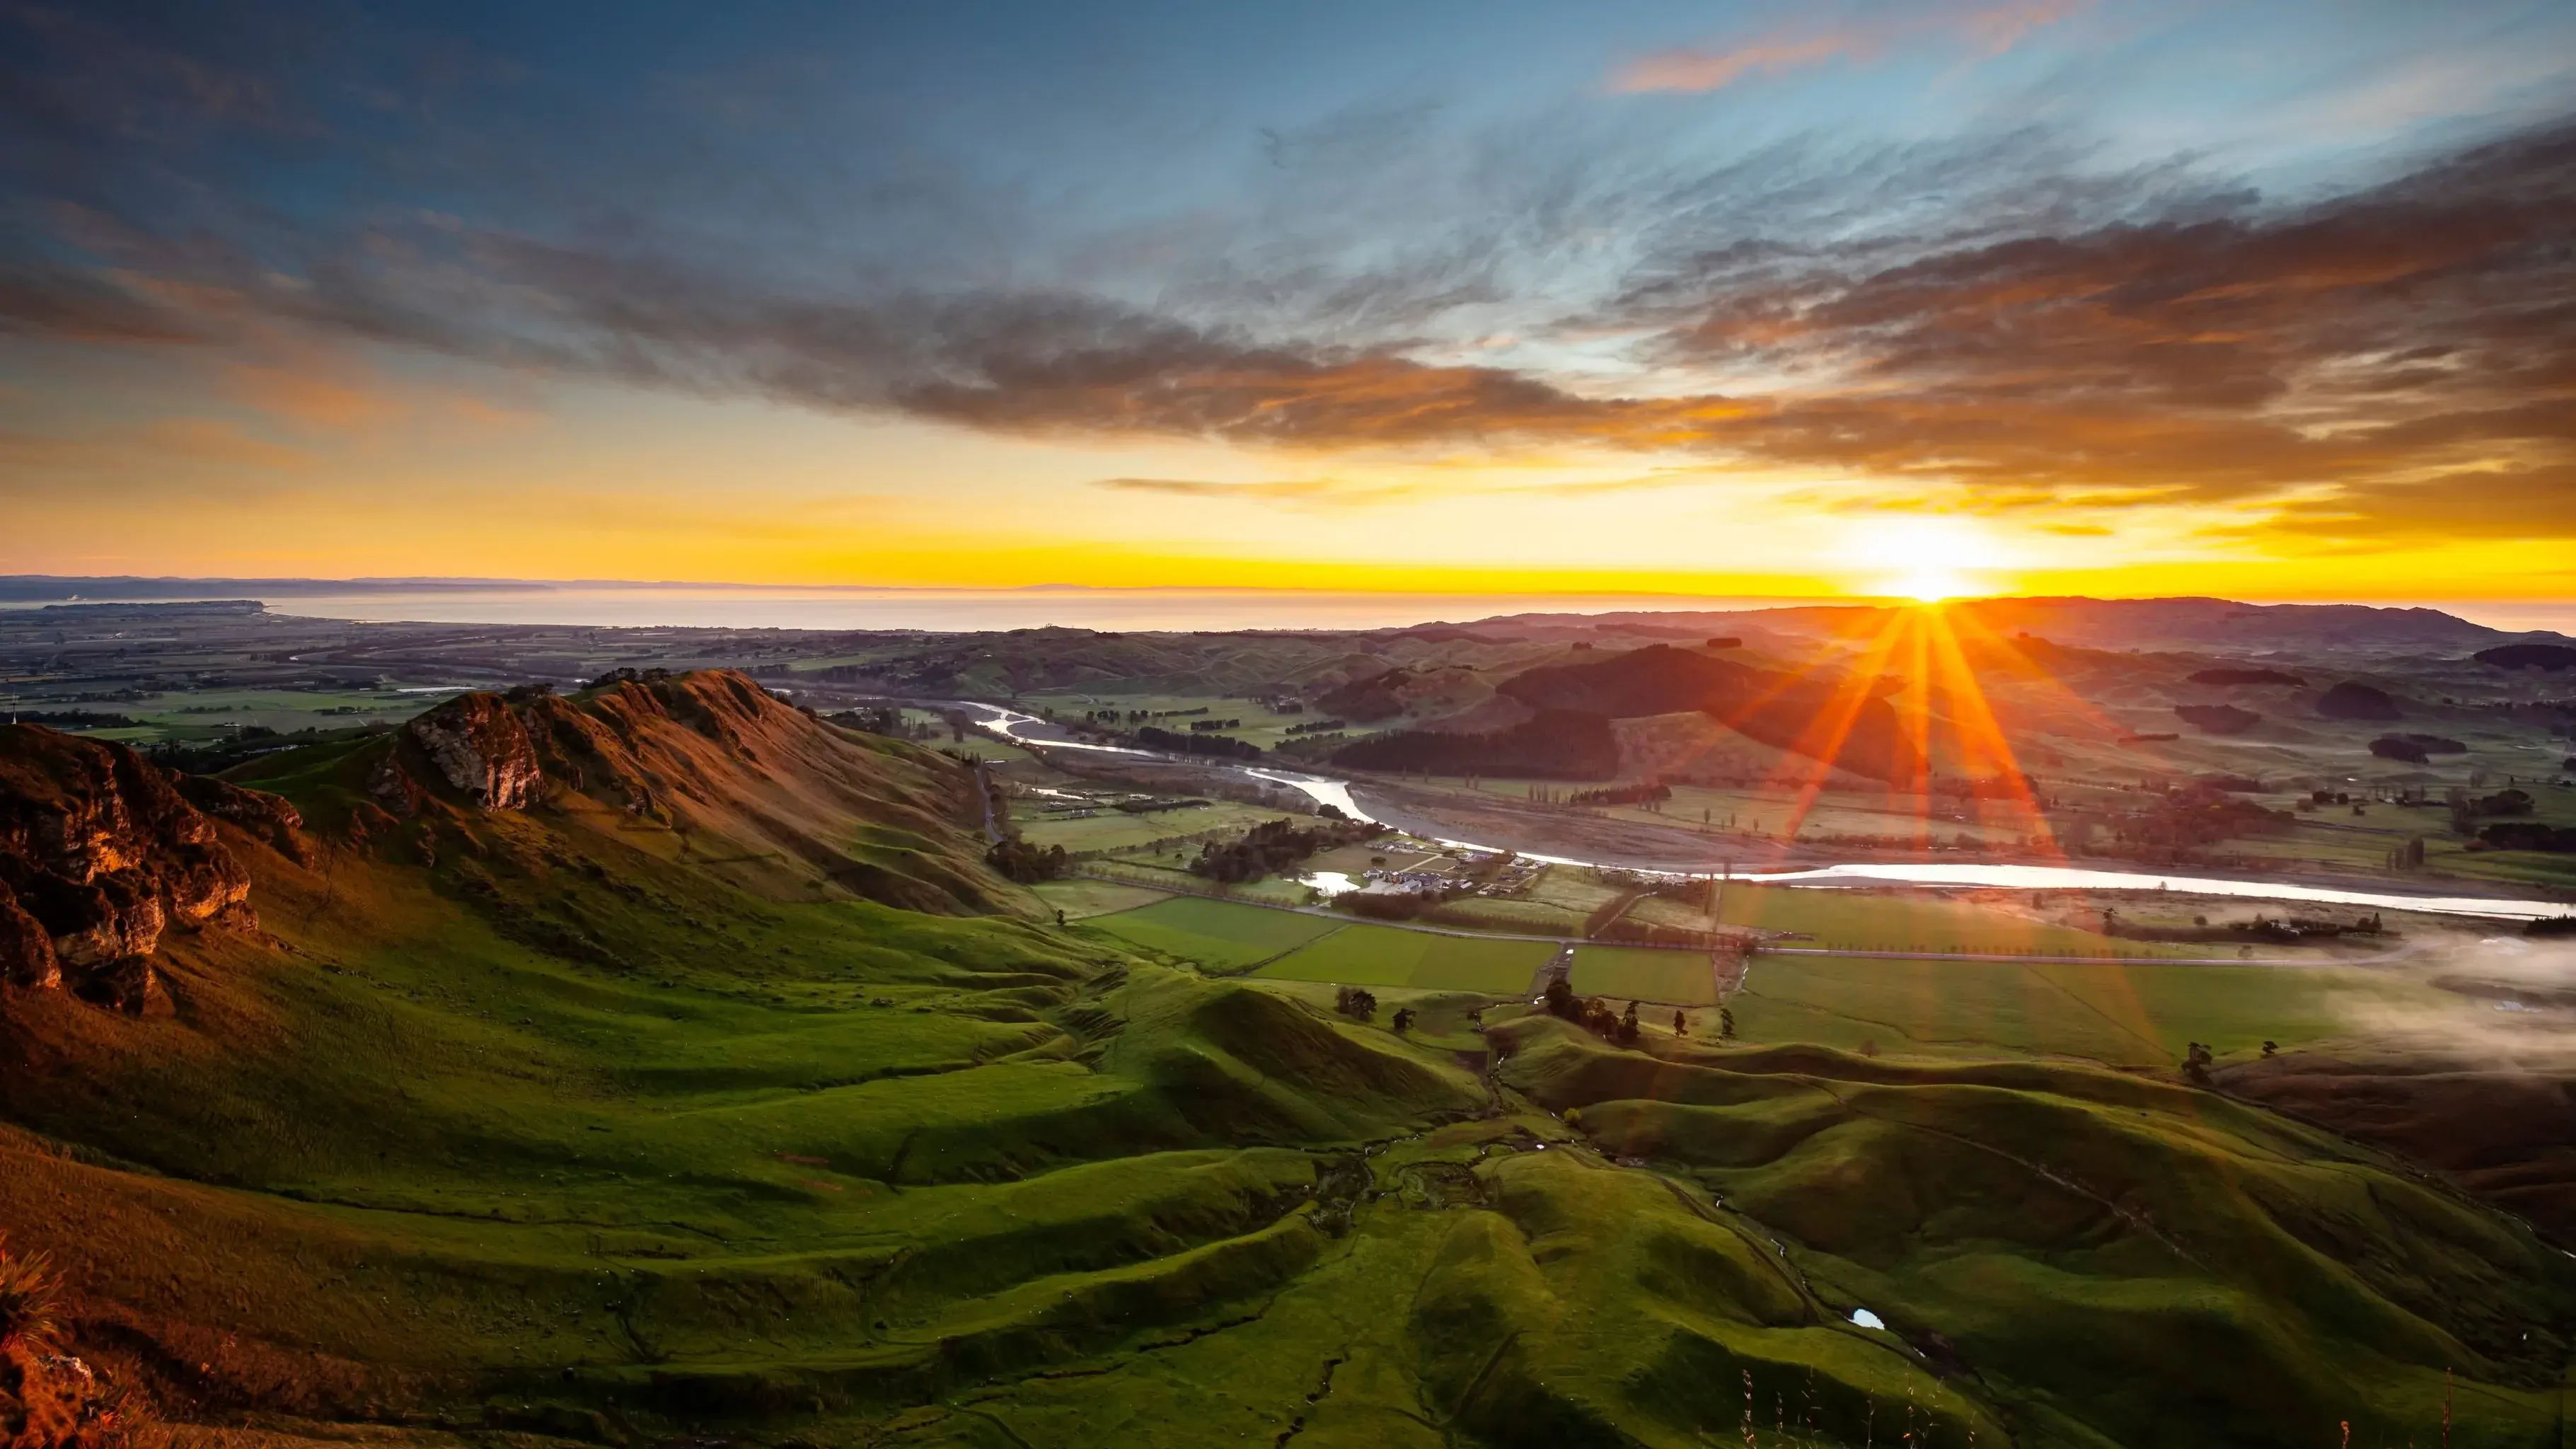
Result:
<point x="1991" y="28"/>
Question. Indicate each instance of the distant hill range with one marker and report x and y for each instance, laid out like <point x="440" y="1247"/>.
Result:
<point x="2177" y="623"/>
<point x="2184" y="623"/>
<point x="1832" y="721"/>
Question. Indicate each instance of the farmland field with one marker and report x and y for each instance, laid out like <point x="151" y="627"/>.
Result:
<point x="1681" y="978"/>
<point x="1110" y="829"/>
<point x="1867" y="921"/>
<point x="1219" y="934"/>
<point x="2123" y="1013"/>
<point x="1079" y="899"/>
<point x="1385" y="956"/>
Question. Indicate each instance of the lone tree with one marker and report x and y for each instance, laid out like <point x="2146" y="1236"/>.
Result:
<point x="1681" y="1024"/>
<point x="1355" y="1003"/>
<point x="1726" y="1023"/>
<point x="2195" y="1062"/>
<point x="1403" y="1018"/>
<point x="1561" y="1001"/>
<point x="1628" y="1026"/>
<point x="2271" y="1048"/>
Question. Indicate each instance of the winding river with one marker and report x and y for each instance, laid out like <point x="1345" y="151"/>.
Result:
<point x="1010" y="724"/>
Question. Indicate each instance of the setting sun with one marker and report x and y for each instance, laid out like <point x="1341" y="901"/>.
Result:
<point x="1923" y="558"/>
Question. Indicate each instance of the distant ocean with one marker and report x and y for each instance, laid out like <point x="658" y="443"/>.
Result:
<point x="953" y="609"/>
<point x="614" y="605"/>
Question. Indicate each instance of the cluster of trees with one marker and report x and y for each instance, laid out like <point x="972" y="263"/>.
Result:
<point x="628" y="675"/>
<point x="2197" y="815"/>
<point x="1028" y="864"/>
<point x="1593" y="1014"/>
<point x="887" y="720"/>
<point x="1223" y="746"/>
<point x="1202" y="726"/>
<point x="1392" y="906"/>
<point x="2530" y="835"/>
<point x="2551" y="657"/>
<point x="77" y="719"/>
<point x="2218" y="719"/>
<point x="1360" y="1004"/>
<point x="2415" y="749"/>
<point x="1275" y="845"/>
<point x="1318" y="726"/>
<point x="1137" y="716"/>
<point x="2355" y="700"/>
<point x="1555" y="744"/>
<point x="2197" y="1056"/>
<point x="1641" y="794"/>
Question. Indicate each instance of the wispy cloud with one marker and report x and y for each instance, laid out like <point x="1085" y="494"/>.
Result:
<point x="1321" y="492"/>
<point x="1990" y="28"/>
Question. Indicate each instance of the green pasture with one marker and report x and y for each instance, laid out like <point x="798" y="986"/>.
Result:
<point x="1080" y="899"/>
<point x="1865" y="920"/>
<point x="1042" y="821"/>
<point x="2125" y="1013"/>
<point x="1364" y="955"/>
<point x="1219" y="934"/>
<point x="1166" y="874"/>
<point x="1677" y="978"/>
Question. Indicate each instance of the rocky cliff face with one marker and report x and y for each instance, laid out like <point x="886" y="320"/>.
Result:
<point x="476" y="744"/>
<point x="710" y="753"/>
<point x="101" y="852"/>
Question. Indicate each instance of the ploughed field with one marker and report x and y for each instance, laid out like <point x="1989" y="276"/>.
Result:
<point x="691" y="1077"/>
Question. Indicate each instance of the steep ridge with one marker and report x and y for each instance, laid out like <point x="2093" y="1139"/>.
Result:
<point x="787" y="799"/>
<point x="533" y="1105"/>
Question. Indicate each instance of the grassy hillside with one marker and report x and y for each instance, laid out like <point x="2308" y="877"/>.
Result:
<point x="2098" y="1258"/>
<point x="611" y="1124"/>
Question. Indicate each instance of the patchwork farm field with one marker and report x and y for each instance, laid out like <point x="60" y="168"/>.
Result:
<point x="1108" y="830"/>
<point x="1080" y="899"/>
<point x="1225" y="936"/>
<point x="2121" y="1013"/>
<point x="1855" y="920"/>
<point x="1384" y="956"/>
<point x="1217" y="934"/>
<point x="1640" y="973"/>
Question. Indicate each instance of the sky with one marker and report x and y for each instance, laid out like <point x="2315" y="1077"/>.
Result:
<point x="1777" y="300"/>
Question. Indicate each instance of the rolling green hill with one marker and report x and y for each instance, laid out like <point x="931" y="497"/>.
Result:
<point x="661" y="1062"/>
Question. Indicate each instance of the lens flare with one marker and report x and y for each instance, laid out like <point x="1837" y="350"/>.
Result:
<point x="1927" y="558"/>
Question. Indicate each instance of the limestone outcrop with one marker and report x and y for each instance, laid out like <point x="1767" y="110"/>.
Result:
<point x="477" y="744"/>
<point x="101" y="852"/>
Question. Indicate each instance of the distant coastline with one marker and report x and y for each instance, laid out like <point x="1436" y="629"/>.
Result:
<point x="623" y="603"/>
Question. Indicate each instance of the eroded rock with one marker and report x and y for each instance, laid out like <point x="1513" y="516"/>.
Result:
<point x="477" y="744"/>
<point x="101" y="853"/>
